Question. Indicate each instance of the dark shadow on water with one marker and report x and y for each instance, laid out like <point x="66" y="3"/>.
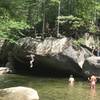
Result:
<point x="47" y="72"/>
<point x="43" y="70"/>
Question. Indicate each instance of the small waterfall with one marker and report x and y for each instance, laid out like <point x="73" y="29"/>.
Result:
<point x="32" y="60"/>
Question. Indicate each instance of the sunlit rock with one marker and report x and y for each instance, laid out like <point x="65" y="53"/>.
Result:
<point x="59" y="54"/>
<point x="4" y="70"/>
<point x="89" y="40"/>
<point x="18" y="93"/>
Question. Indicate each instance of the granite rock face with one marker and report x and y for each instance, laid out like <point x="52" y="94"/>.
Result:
<point x="50" y="53"/>
<point x="59" y="54"/>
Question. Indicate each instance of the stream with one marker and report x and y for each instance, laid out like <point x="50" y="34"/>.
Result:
<point x="52" y="88"/>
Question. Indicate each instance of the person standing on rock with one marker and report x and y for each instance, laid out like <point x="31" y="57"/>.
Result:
<point x="32" y="60"/>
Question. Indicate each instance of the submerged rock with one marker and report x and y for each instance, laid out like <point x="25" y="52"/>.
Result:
<point x="18" y="93"/>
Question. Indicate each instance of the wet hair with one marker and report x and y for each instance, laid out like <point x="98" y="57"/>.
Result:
<point x="71" y="75"/>
<point x="93" y="73"/>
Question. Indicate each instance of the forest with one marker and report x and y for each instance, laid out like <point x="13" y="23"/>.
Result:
<point x="21" y="18"/>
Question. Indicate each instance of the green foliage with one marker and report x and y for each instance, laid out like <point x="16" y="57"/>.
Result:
<point x="93" y="28"/>
<point x="79" y="41"/>
<point x="19" y="14"/>
<point x="7" y="26"/>
<point x="87" y="10"/>
<point x="17" y="25"/>
<point x="72" y="21"/>
<point x="70" y="24"/>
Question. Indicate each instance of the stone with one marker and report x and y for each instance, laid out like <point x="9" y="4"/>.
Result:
<point x="92" y="65"/>
<point x="4" y="70"/>
<point x="19" y="93"/>
<point x="55" y="53"/>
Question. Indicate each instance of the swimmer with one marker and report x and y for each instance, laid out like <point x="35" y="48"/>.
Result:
<point x="71" y="80"/>
<point x="93" y="81"/>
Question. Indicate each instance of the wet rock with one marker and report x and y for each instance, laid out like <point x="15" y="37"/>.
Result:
<point x="92" y="65"/>
<point x="4" y="70"/>
<point x="18" y="93"/>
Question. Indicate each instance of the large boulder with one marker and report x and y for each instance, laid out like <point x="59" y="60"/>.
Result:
<point x="53" y="53"/>
<point x="18" y="93"/>
<point x="92" y="65"/>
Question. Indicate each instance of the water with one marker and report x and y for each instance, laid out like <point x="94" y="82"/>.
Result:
<point x="52" y="88"/>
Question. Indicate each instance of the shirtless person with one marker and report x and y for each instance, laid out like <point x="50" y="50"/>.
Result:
<point x="92" y="80"/>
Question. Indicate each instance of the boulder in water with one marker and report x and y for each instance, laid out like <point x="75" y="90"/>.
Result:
<point x="18" y="93"/>
<point x="53" y="53"/>
<point x="4" y="70"/>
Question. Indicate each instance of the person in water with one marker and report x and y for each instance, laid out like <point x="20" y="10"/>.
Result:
<point x="93" y="81"/>
<point x="71" y="80"/>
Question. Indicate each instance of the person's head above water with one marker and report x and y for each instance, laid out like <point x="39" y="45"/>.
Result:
<point x="93" y="73"/>
<point x="71" y="75"/>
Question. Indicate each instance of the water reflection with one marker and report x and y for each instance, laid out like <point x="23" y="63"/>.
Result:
<point x="52" y="88"/>
<point x="93" y="94"/>
<point x="80" y="90"/>
<point x="71" y="84"/>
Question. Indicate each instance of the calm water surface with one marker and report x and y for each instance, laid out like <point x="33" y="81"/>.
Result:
<point x="52" y="88"/>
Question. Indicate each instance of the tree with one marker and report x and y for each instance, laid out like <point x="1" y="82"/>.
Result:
<point x="43" y="14"/>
